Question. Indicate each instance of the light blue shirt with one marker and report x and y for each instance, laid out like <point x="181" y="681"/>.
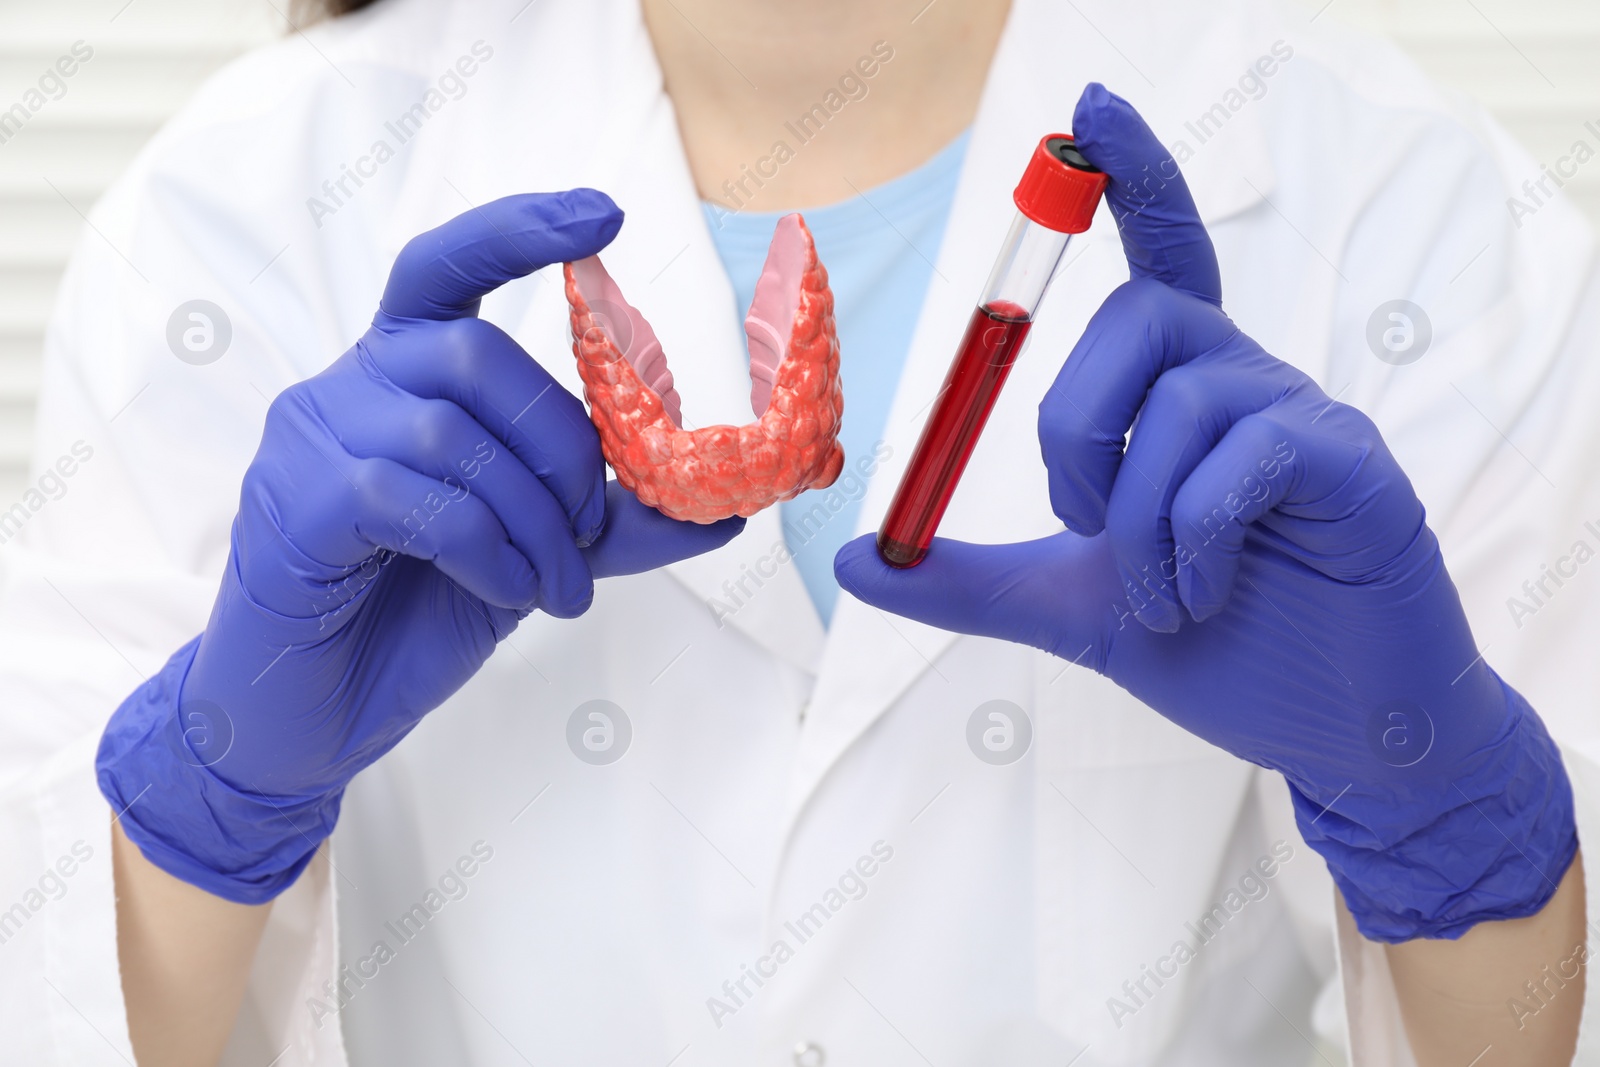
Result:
<point x="879" y="250"/>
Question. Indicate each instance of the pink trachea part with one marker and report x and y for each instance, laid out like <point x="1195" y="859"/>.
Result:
<point x="717" y="471"/>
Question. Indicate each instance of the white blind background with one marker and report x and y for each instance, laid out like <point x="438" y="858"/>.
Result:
<point x="1532" y="62"/>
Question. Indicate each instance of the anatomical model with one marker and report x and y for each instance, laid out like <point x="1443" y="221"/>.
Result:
<point x="716" y="471"/>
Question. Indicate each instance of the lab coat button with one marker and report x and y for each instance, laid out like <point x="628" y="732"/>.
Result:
<point x="809" y="1054"/>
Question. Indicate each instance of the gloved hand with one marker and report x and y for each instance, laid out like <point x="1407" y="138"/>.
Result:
<point x="408" y="506"/>
<point x="1257" y="568"/>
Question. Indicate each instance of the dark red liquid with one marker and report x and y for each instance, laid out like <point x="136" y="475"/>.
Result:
<point x="987" y="351"/>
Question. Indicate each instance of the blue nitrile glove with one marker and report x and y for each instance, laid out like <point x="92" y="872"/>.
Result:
<point x="1257" y="568"/>
<point x="407" y="507"/>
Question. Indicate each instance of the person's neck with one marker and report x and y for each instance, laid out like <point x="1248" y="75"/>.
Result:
<point x="775" y="105"/>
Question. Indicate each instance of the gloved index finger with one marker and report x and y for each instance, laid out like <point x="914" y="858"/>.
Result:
<point x="445" y="272"/>
<point x="1162" y="234"/>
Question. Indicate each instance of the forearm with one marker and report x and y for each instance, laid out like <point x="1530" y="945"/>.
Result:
<point x="1469" y="1001"/>
<point x="185" y="957"/>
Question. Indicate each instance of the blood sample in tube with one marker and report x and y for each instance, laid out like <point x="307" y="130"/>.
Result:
<point x="1056" y="198"/>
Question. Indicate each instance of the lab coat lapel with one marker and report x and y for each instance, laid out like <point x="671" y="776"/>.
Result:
<point x="870" y="659"/>
<point x="588" y="87"/>
<point x="670" y="269"/>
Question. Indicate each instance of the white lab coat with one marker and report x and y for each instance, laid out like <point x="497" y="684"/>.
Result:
<point x="1019" y="904"/>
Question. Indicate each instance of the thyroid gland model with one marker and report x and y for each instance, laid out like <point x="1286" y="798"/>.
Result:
<point x="716" y="471"/>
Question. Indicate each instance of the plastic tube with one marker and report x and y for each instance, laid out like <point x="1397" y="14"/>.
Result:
<point x="1055" y="199"/>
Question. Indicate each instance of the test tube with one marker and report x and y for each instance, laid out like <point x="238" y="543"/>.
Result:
<point x="1055" y="199"/>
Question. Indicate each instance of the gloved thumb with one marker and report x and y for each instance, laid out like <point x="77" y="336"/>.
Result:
<point x="1043" y="593"/>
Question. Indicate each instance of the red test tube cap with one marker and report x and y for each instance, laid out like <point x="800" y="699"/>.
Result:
<point x="1060" y="189"/>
